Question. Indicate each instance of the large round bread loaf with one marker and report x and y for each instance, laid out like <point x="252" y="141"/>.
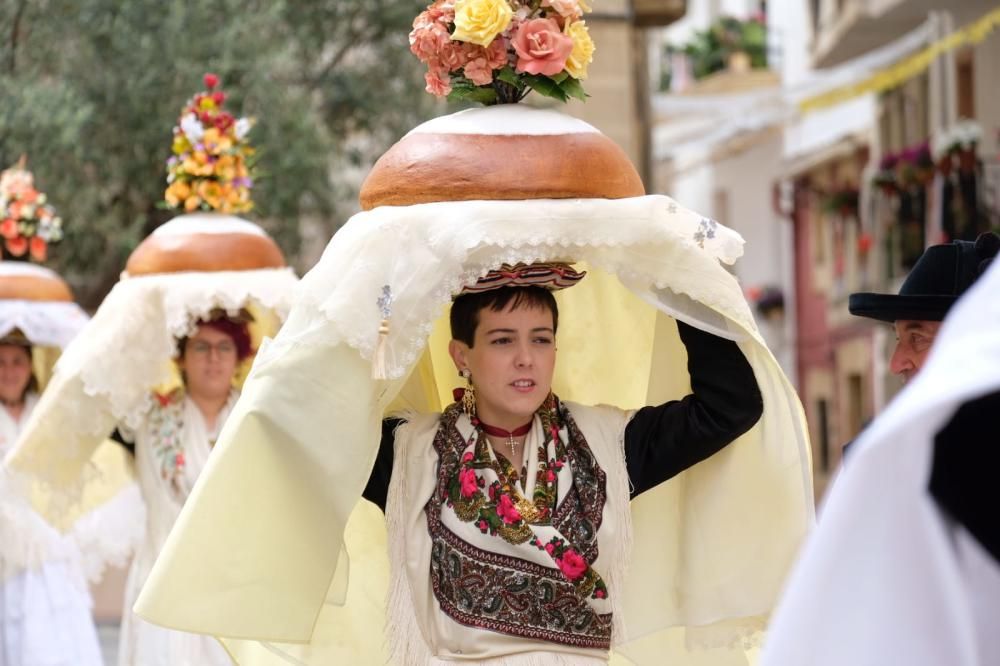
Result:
<point x="27" y="282"/>
<point x="507" y="151"/>
<point x="205" y="242"/>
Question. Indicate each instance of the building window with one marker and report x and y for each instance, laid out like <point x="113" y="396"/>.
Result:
<point x="966" y="91"/>
<point x="823" y="416"/>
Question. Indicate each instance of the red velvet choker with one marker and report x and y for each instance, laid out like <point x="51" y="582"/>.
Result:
<point x="500" y="432"/>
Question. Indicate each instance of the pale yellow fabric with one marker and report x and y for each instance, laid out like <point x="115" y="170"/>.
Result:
<point x="254" y="553"/>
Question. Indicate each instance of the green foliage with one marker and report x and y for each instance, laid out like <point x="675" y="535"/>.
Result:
<point x="92" y="88"/>
<point x="710" y="49"/>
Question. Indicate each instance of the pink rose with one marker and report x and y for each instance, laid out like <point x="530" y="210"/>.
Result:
<point x="479" y="71"/>
<point x="469" y="484"/>
<point x="507" y="510"/>
<point x="572" y="564"/>
<point x="438" y="83"/>
<point x="541" y="47"/>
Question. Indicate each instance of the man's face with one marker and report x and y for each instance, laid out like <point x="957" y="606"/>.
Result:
<point x="913" y="342"/>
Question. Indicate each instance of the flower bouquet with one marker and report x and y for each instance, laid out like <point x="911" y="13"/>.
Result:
<point x="497" y="51"/>
<point x="211" y="166"/>
<point x="28" y="224"/>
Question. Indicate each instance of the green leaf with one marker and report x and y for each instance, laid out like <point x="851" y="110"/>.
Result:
<point x="573" y="88"/>
<point x="481" y="95"/>
<point x="560" y="77"/>
<point x="543" y="85"/>
<point x="508" y="75"/>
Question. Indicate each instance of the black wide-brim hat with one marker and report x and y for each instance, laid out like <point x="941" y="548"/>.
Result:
<point x="937" y="280"/>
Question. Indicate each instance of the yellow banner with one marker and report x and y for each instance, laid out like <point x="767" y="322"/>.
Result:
<point x="907" y="68"/>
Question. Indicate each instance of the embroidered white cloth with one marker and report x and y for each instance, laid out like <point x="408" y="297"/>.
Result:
<point x="712" y="545"/>
<point x="887" y="578"/>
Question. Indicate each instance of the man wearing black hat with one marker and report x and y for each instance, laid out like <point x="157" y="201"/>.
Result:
<point x="939" y="278"/>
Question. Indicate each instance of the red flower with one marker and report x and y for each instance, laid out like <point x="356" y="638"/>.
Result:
<point x="572" y="564"/>
<point x="211" y="80"/>
<point x="8" y="228"/>
<point x="600" y="594"/>
<point x="17" y="246"/>
<point x="38" y="248"/>
<point x="550" y="476"/>
<point x="219" y="97"/>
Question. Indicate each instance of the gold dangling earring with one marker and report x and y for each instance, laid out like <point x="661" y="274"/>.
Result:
<point x="469" y="397"/>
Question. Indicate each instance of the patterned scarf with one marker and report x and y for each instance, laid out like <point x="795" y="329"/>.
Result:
<point x="502" y="562"/>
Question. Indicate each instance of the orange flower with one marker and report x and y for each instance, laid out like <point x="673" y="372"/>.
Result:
<point x="192" y="203"/>
<point x="176" y="193"/>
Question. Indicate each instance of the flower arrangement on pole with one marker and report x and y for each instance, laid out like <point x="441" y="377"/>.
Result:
<point x="28" y="223"/>
<point x="498" y="51"/>
<point x="211" y="166"/>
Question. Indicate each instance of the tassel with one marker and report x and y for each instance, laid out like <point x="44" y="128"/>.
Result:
<point x="379" y="370"/>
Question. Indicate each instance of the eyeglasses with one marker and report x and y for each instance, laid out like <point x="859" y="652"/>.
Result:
<point x="202" y="348"/>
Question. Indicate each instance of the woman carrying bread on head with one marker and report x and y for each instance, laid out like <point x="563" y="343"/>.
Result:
<point x="523" y="523"/>
<point x="161" y="362"/>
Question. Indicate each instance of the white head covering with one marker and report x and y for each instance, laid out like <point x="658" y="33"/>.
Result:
<point x="887" y="577"/>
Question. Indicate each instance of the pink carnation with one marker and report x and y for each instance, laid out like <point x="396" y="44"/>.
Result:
<point x="479" y="71"/>
<point x="541" y="47"/>
<point x="572" y="564"/>
<point x="469" y="483"/>
<point x="566" y="8"/>
<point x="428" y="40"/>
<point x="438" y="82"/>
<point x="507" y="510"/>
<point x="496" y="53"/>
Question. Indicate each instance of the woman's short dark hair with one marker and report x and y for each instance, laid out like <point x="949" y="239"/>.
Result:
<point x="466" y="308"/>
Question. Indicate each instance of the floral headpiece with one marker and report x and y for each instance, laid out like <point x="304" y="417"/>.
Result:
<point x="497" y="51"/>
<point x="553" y="275"/>
<point x="210" y="167"/>
<point x="28" y="224"/>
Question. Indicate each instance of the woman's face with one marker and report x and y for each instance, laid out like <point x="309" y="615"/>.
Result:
<point x="511" y="361"/>
<point x="15" y="372"/>
<point x="209" y="363"/>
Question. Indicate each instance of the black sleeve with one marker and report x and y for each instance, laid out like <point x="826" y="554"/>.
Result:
<point x="377" y="489"/>
<point x="118" y="437"/>
<point x="725" y="402"/>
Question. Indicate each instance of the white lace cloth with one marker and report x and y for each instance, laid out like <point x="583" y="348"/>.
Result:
<point x="104" y="379"/>
<point x="452" y="244"/>
<point x="887" y="577"/>
<point x="45" y="323"/>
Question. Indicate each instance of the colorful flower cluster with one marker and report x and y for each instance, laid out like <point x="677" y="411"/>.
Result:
<point x="28" y="224"/>
<point x="496" y="51"/>
<point x="210" y="168"/>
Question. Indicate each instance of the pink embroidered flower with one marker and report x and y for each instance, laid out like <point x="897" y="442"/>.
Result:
<point x="483" y="526"/>
<point x="600" y="594"/>
<point x="479" y="71"/>
<point x="438" y="83"/>
<point x="572" y="564"/>
<point x="179" y="460"/>
<point x="467" y="456"/>
<point x="469" y="483"/>
<point x="550" y="476"/>
<point x="507" y="510"/>
<point x="550" y="548"/>
<point x="541" y="47"/>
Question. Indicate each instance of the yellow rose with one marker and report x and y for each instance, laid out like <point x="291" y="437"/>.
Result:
<point x="480" y="21"/>
<point x="583" y="49"/>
